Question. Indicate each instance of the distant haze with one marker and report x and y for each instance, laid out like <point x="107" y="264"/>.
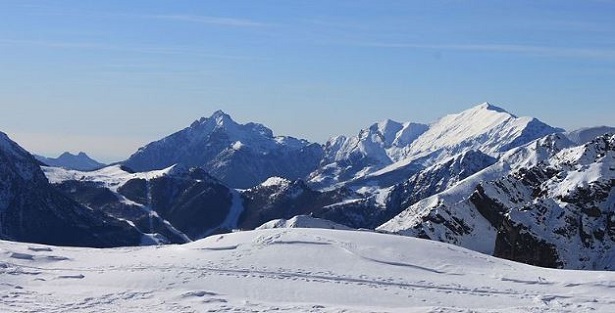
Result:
<point x="107" y="77"/>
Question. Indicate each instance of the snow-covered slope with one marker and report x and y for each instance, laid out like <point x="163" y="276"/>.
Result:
<point x="485" y="127"/>
<point x="241" y="155"/>
<point x="303" y="221"/>
<point x="584" y="135"/>
<point x="449" y="216"/>
<point x="32" y="210"/>
<point x="553" y="210"/>
<point x="373" y="148"/>
<point x="174" y="205"/>
<point x="372" y="205"/>
<point x="290" y="270"/>
<point x="562" y="210"/>
<point x="80" y="161"/>
<point x="388" y="152"/>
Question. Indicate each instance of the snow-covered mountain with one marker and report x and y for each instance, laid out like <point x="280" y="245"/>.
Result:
<point x="436" y="217"/>
<point x="80" y="161"/>
<point x="375" y="206"/>
<point x="485" y="127"/>
<point x="141" y="198"/>
<point x="303" y="221"/>
<point x="241" y="155"/>
<point x="388" y="152"/>
<point x="469" y="179"/>
<point x="586" y="134"/>
<point x="549" y="203"/>
<point x="373" y="148"/>
<point x="290" y="270"/>
<point x="32" y="210"/>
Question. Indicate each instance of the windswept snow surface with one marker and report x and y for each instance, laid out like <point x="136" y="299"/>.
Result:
<point x="290" y="270"/>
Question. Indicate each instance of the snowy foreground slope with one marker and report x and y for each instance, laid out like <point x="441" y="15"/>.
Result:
<point x="290" y="270"/>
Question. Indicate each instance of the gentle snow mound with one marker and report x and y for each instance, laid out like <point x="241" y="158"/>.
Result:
<point x="303" y="221"/>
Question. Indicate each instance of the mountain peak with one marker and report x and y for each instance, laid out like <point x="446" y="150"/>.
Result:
<point x="387" y="128"/>
<point x="490" y="107"/>
<point x="241" y="155"/>
<point x="221" y="118"/>
<point x="80" y="161"/>
<point x="219" y="114"/>
<point x="484" y="127"/>
<point x="218" y="119"/>
<point x="387" y="122"/>
<point x="66" y="155"/>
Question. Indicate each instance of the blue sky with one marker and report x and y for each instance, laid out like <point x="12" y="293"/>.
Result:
<point x="107" y="77"/>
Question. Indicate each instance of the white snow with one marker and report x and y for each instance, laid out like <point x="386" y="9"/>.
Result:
<point x="586" y="134"/>
<point x="390" y="147"/>
<point x="485" y="127"/>
<point x="254" y="135"/>
<point x="290" y="270"/>
<point x="237" y="145"/>
<point x="383" y="141"/>
<point x="275" y="181"/>
<point x="303" y="221"/>
<point x="111" y="176"/>
<point x="455" y="198"/>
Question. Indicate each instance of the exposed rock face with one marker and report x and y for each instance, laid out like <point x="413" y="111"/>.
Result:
<point x="565" y="217"/>
<point x="32" y="210"/>
<point x="558" y="212"/>
<point x="514" y="243"/>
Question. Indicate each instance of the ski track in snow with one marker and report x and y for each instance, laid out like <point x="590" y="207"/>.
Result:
<point x="290" y="270"/>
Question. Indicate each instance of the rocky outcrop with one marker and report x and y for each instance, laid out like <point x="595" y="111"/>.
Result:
<point x="32" y="210"/>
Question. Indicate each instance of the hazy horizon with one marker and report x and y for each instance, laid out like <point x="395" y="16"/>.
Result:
<point x="109" y="77"/>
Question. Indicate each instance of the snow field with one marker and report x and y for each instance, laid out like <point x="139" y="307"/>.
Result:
<point x="290" y="270"/>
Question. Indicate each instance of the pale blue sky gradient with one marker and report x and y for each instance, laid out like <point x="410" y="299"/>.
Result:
<point x="107" y="77"/>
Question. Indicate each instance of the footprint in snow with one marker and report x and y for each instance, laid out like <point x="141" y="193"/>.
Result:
<point x="200" y="294"/>
<point x="79" y="276"/>
<point x="21" y="256"/>
<point x="40" y="249"/>
<point x="56" y="258"/>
